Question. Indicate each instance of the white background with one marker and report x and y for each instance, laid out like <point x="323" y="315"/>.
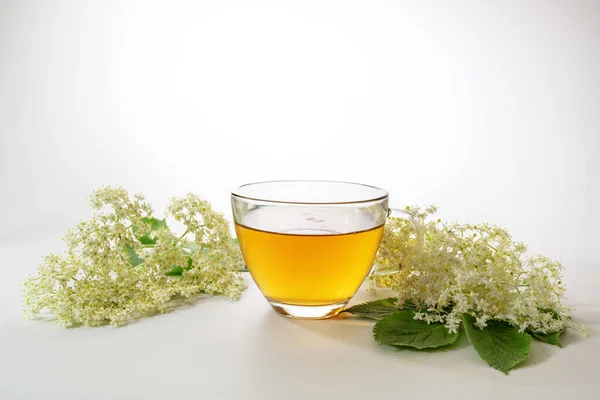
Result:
<point x="488" y="109"/>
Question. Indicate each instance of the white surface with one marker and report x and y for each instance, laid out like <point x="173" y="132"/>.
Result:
<point x="219" y="349"/>
<point x="488" y="109"/>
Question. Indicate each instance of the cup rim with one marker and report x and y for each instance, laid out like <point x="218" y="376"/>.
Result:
<point x="266" y="200"/>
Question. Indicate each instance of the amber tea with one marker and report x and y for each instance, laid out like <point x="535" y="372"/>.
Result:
<point x="308" y="269"/>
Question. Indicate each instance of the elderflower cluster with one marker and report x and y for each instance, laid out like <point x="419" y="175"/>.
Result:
<point x="473" y="269"/>
<point x="109" y="274"/>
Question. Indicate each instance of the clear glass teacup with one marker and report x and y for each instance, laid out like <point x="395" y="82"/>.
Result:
<point x="309" y="245"/>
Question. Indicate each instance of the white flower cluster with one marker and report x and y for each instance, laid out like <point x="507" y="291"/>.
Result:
<point x="107" y="275"/>
<point x="473" y="269"/>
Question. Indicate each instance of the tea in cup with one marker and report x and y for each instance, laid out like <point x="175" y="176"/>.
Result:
<point x="309" y="245"/>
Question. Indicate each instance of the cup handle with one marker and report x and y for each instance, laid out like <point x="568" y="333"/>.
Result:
<point x="420" y="231"/>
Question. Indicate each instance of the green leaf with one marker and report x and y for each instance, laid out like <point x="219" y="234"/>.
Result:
<point x="401" y="329"/>
<point x="500" y="344"/>
<point x="155" y="225"/>
<point x="378" y="309"/>
<point x="134" y="259"/>
<point x="178" y="271"/>
<point x="551" y="338"/>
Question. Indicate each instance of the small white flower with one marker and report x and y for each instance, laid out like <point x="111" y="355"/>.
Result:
<point x="94" y="282"/>
<point x="475" y="269"/>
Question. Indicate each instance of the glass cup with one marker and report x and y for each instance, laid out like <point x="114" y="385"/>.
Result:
<point x="309" y="245"/>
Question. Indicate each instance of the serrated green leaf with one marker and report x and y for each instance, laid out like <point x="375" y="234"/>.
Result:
<point x="155" y="225"/>
<point x="134" y="259"/>
<point x="377" y="310"/>
<point x="500" y="344"/>
<point x="401" y="329"/>
<point x="551" y="338"/>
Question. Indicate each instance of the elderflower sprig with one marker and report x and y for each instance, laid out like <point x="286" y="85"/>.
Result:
<point x="471" y="278"/>
<point x="473" y="269"/>
<point x="123" y="264"/>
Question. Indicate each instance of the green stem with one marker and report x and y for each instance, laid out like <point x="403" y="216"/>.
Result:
<point x="183" y="235"/>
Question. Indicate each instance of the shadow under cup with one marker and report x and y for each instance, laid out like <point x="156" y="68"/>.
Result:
<point x="309" y="244"/>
